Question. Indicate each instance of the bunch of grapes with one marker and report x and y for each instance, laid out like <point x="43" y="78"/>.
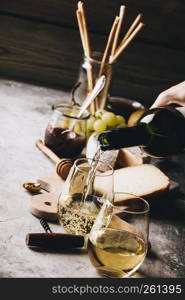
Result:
<point x="103" y="120"/>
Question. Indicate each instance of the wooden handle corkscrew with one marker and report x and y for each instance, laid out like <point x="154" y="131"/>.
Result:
<point x="54" y="241"/>
<point x="63" y="165"/>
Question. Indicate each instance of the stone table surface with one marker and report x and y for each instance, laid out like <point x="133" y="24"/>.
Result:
<point x="24" y="113"/>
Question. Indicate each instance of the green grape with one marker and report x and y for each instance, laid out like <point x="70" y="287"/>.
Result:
<point x="99" y="126"/>
<point x="77" y="128"/>
<point x="99" y="113"/>
<point x="88" y="134"/>
<point x="109" y="118"/>
<point x="63" y="124"/>
<point x="90" y="123"/>
<point x="120" y="119"/>
<point x="122" y="125"/>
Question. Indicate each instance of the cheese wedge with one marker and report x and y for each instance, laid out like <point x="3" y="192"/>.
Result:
<point x="143" y="180"/>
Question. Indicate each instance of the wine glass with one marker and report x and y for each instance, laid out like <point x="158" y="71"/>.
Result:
<point x="78" y="216"/>
<point x="90" y="177"/>
<point x="118" y="240"/>
<point x="78" y="205"/>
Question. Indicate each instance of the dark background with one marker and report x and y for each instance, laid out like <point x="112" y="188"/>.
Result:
<point x="40" y="43"/>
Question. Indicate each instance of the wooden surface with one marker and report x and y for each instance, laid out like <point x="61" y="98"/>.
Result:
<point x="164" y="19"/>
<point x="44" y="205"/>
<point x="24" y="113"/>
<point x="40" y="43"/>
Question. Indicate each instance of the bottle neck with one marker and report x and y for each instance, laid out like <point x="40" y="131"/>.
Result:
<point x="124" y="137"/>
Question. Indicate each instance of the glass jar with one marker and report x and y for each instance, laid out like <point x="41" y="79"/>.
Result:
<point x="66" y="132"/>
<point x="93" y="64"/>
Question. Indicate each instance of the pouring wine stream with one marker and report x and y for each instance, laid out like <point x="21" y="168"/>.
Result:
<point x="87" y="102"/>
<point x="94" y="164"/>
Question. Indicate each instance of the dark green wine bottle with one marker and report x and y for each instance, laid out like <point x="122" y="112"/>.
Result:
<point x="160" y="132"/>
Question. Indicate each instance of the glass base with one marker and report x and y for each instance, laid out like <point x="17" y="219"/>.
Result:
<point x="110" y="273"/>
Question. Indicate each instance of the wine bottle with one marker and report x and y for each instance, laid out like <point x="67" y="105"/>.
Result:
<point x="160" y="132"/>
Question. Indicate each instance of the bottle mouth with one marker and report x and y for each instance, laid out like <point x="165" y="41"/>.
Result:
<point x="71" y="111"/>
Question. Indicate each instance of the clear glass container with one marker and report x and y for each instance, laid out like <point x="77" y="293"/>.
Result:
<point x="118" y="241"/>
<point x="93" y="64"/>
<point x="66" y="132"/>
<point x="82" y="187"/>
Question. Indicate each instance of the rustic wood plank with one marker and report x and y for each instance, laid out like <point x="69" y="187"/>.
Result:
<point x="164" y="19"/>
<point x="48" y="54"/>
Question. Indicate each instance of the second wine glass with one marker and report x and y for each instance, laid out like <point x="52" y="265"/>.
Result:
<point x="118" y="241"/>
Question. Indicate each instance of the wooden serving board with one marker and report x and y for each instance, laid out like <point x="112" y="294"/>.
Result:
<point x="45" y="204"/>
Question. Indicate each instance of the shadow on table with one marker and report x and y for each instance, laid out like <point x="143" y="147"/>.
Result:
<point x="81" y="251"/>
<point x="170" y="206"/>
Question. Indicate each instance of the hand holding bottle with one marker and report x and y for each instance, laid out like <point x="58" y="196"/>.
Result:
<point x="159" y="131"/>
<point x="175" y="94"/>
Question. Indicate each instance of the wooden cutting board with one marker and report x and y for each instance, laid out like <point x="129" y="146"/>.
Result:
<point x="44" y="204"/>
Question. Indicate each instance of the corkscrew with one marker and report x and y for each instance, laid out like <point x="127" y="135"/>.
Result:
<point x="45" y="225"/>
<point x="53" y="241"/>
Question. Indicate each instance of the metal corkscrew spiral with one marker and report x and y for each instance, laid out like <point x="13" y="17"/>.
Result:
<point x="45" y="225"/>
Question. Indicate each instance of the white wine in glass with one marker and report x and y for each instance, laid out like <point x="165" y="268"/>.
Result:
<point x="118" y="241"/>
<point x="78" y="204"/>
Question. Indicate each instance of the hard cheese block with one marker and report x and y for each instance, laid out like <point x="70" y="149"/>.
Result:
<point x="126" y="158"/>
<point x="142" y="180"/>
